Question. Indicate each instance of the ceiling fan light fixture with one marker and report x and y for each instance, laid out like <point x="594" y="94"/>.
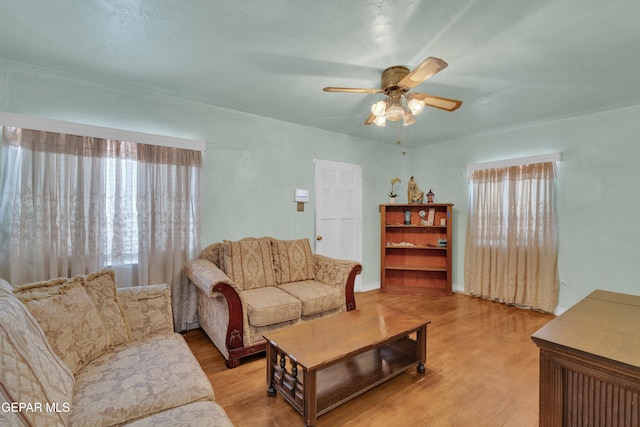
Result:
<point x="408" y="119"/>
<point x="416" y="105"/>
<point x="378" y="108"/>
<point x="380" y="121"/>
<point x="396" y="83"/>
<point x="394" y="113"/>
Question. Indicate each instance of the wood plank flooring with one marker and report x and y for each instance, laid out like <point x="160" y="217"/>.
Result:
<point x="482" y="370"/>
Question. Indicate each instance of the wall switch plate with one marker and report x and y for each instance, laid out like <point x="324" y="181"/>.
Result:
<point x="301" y="195"/>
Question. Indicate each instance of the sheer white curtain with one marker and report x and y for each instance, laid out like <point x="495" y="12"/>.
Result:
<point x="72" y="205"/>
<point x="511" y="251"/>
<point x="168" y="204"/>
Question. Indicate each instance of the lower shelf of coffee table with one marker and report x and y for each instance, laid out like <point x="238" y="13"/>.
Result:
<point x="342" y="381"/>
<point x="350" y="378"/>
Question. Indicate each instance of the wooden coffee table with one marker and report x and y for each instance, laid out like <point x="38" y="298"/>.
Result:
<point x="321" y="364"/>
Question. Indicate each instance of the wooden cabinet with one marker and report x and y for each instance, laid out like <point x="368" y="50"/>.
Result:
<point x="590" y="363"/>
<point x="415" y="248"/>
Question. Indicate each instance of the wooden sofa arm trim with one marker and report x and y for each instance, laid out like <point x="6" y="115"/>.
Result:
<point x="349" y="295"/>
<point x="239" y="353"/>
<point x="235" y="328"/>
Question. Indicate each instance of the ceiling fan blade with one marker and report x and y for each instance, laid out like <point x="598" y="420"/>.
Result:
<point x="428" y="68"/>
<point x="370" y="119"/>
<point x="437" y="101"/>
<point x="351" y="90"/>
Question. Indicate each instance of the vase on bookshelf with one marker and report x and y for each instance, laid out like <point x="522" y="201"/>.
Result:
<point x="392" y="200"/>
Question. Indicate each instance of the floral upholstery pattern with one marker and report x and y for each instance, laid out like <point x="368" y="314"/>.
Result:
<point x="292" y="260"/>
<point x="215" y="254"/>
<point x="101" y="288"/>
<point x="213" y="318"/>
<point x="147" y="310"/>
<point x="31" y="371"/>
<point x="269" y="305"/>
<point x="207" y="276"/>
<point x="315" y="297"/>
<point x="256" y="333"/>
<point x="198" y="414"/>
<point x="77" y="339"/>
<point x="249" y="262"/>
<point x="332" y="272"/>
<point x="123" y="385"/>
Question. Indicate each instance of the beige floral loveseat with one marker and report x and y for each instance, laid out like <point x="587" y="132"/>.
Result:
<point x="80" y="352"/>
<point x="255" y="285"/>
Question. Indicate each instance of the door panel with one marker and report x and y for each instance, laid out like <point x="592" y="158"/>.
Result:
<point x="339" y="210"/>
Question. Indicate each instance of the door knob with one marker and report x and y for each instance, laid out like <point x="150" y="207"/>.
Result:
<point x="318" y="238"/>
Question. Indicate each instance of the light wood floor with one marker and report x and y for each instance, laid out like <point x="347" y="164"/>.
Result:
<point x="482" y="370"/>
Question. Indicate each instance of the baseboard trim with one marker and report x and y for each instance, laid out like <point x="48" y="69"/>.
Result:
<point x="559" y="310"/>
<point x="368" y="287"/>
<point x="376" y="285"/>
<point x="457" y="288"/>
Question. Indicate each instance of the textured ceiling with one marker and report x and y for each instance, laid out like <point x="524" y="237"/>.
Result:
<point x="510" y="62"/>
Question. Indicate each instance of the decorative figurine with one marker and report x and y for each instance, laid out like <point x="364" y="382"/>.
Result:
<point x="413" y="192"/>
<point x="422" y="215"/>
<point x="407" y="217"/>
<point x="430" y="196"/>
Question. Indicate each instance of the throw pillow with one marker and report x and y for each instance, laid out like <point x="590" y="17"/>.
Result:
<point x="292" y="260"/>
<point x="249" y="263"/>
<point x="148" y="310"/>
<point x="101" y="288"/>
<point x="68" y="318"/>
<point x="31" y="371"/>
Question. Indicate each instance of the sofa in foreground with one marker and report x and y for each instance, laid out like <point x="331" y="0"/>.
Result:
<point x="249" y="287"/>
<point x="81" y="352"/>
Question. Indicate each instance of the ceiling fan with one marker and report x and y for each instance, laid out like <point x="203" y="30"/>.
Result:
<point x="396" y="82"/>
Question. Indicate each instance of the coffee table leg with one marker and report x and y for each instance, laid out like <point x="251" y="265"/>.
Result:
<point x="272" y="356"/>
<point x="310" y="404"/>
<point x="421" y="348"/>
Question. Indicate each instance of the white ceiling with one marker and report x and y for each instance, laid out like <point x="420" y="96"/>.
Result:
<point x="511" y="62"/>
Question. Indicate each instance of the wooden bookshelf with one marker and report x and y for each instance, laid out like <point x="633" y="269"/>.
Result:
<point x="414" y="259"/>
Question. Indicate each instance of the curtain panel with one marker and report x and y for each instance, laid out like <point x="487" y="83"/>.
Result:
<point x="511" y="250"/>
<point x="72" y="205"/>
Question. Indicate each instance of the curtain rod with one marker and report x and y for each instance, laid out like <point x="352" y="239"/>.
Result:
<point x="530" y="160"/>
<point x="71" y="128"/>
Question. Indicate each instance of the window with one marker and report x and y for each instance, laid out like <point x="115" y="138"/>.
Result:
<point x="72" y="205"/>
<point x="509" y="204"/>
<point x="121" y="212"/>
<point x="512" y="238"/>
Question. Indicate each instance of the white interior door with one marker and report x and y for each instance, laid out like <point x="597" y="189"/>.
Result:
<point x="338" y="215"/>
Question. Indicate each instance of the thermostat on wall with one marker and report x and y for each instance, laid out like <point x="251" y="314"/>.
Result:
<point x="301" y="195"/>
